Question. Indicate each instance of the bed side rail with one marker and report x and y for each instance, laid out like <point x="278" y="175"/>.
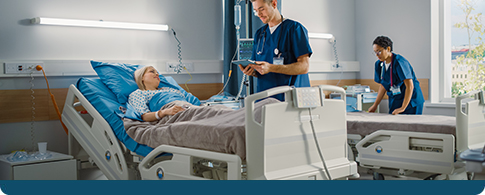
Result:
<point x="427" y="152"/>
<point x="96" y="137"/>
<point x="470" y="123"/>
<point x="184" y="162"/>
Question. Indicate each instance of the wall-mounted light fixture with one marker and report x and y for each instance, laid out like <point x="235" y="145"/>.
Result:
<point x="320" y="36"/>
<point x="99" y="24"/>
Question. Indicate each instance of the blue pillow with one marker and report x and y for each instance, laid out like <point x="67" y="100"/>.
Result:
<point x="120" y="79"/>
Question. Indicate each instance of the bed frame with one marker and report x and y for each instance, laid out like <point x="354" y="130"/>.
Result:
<point x="426" y="155"/>
<point x="281" y="147"/>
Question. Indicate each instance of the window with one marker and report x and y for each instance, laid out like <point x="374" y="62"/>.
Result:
<point x="466" y="44"/>
<point x="457" y="48"/>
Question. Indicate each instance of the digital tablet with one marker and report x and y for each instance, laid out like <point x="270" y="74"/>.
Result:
<point x="244" y="63"/>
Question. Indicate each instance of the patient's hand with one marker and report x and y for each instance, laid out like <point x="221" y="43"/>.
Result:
<point x="171" y="111"/>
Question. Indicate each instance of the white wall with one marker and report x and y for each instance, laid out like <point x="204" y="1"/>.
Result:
<point x="408" y="24"/>
<point x="198" y="25"/>
<point x="326" y="16"/>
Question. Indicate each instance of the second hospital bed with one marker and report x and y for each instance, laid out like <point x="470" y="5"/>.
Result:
<point x="280" y="147"/>
<point x="423" y="146"/>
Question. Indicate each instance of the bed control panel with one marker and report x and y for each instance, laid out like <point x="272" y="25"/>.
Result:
<point x="308" y="97"/>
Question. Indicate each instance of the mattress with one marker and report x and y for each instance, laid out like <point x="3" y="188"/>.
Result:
<point x="363" y="123"/>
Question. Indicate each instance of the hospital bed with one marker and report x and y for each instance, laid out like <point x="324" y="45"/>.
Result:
<point x="280" y="147"/>
<point x="422" y="146"/>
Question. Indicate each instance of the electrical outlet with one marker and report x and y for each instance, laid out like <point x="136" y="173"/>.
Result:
<point x="172" y="65"/>
<point x="337" y="67"/>
<point x="22" y="68"/>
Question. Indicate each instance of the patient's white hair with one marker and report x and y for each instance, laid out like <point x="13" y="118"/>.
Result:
<point x="139" y="77"/>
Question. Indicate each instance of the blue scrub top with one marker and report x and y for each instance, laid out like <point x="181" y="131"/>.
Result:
<point x="401" y="70"/>
<point x="291" y="39"/>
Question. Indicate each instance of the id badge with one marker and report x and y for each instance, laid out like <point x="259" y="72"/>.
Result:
<point x="278" y="60"/>
<point x="395" y="90"/>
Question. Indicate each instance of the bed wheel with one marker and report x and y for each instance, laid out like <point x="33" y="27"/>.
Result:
<point x="432" y="177"/>
<point x="470" y="175"/>
<point x="378" y="176"/>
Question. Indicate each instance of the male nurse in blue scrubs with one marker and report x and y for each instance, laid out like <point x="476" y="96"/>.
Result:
<point x="281" y="50"/>
<point x="396" y="76"/>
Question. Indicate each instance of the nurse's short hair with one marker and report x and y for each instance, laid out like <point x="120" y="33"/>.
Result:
<point x="139" y="77"/>
<point x="266" y="1"/>
<point x="383" y="41"/>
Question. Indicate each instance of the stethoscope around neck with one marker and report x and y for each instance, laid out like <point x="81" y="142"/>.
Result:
<point x="263" y="36"/>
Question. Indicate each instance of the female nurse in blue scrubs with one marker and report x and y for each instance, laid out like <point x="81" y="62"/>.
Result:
<point x="281" y="50"/>
<point x="397" y="78"/>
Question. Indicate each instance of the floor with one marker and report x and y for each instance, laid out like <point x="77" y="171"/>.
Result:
<point x="96" y="174"/>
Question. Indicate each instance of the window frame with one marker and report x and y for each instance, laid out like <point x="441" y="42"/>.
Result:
<point x="440" y="87"/>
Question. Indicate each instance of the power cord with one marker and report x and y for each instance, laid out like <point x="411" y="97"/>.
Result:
<point x="179" y="68"/>
<point x="241" y="86"/>
<point x="230" y="72"/>
<point x="334" y="45"/>
<point x="318" y="145"/>
<point x="32" y="135"/>
<point x="38" y="68"/>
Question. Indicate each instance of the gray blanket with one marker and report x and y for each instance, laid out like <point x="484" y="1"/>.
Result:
<point x="214" y="128"/>
<point x="363" y="123"/>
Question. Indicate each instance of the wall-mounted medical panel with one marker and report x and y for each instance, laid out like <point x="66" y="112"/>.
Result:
<point x="330" y="66"/>
<point x="84" y="68"/>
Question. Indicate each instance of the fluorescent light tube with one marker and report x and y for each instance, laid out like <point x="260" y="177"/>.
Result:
<point x="99" y="24"/>
<point x="320" y="35"/>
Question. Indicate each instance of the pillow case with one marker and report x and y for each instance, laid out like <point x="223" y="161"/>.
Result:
<point x="120" y="79"/>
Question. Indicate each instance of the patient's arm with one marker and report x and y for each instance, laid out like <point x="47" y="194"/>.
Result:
<point x="151" y="116"/>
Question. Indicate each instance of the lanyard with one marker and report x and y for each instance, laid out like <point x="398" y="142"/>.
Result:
<point x="390" y="72"/>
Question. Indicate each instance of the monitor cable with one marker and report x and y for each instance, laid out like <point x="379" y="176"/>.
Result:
<point x="318" y="146"/>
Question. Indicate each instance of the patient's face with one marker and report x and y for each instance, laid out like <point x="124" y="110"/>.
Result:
<point x="151" y="79"/>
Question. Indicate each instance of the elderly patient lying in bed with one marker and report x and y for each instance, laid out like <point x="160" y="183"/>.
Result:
<point x="157" y="116"/>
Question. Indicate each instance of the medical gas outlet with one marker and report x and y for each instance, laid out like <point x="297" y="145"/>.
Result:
<point x="172" y="66"/>
<point x="337" y="67"/>
<point x="22" y="68"/>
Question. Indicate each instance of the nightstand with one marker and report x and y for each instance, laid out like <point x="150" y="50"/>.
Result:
<point x="57" y="167"/>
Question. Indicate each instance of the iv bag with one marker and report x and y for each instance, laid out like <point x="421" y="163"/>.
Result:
<point x="237" y="15"/>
